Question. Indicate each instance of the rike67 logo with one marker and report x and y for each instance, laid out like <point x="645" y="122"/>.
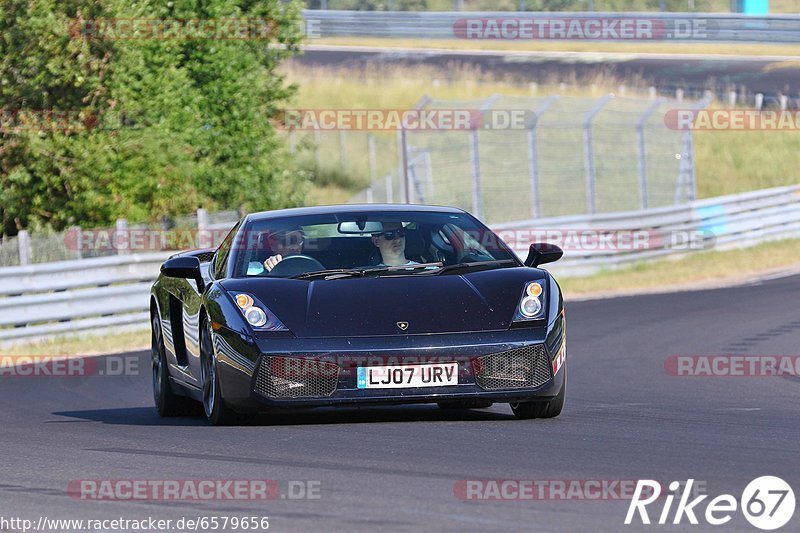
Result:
<point x="767" y="503"/>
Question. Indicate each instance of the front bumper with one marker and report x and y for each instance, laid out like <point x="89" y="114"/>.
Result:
<point x="501" y="366"/>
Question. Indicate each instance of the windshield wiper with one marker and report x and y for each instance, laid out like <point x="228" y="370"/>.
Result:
<point x="476" y="264"/>
<point x="400" y="268"/>
<point x="338" y="273"/>
<point x="335" y="273"/>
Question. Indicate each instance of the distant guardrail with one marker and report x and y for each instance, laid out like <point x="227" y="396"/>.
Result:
<point x="693" y="27"/>
<point x="109" y="293"/>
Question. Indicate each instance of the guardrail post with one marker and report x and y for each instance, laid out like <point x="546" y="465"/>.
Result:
<point x="759" y="100"/>
<point x="24" y="246"/>
<point x="533" y="156"/>
<point x="122" y="240"/>
<point x="642" y="156"/>
<point x="588" y="155"/>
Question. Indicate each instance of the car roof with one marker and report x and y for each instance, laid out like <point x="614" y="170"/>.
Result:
<point x="352" y="208"/>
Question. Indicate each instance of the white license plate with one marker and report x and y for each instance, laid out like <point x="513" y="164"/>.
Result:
<point x="397" y="377"/>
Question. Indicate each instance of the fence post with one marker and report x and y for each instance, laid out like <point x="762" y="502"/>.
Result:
<point x="405" y="176"/>
<point x="686" y="171"/>
<point x="401" y="162"/>
<point x="76" y="230"/>
<point x="343" y="151"/>
<point x="642" y="157"/>
<point x="203" y="239"/>
<point x="372" y="164"/>
<point x="389" y="188"/>
<point x="122" y="236"/>
<point x="370" y="199"/>
<point x="588" y="155"/>
<point x="533" y="156"/>
<point x="24" y="245"/>
<point x="475" y="165"/>
<point x="317" y="142"/>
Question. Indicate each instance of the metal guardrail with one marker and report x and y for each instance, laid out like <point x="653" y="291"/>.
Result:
<point x="110" y="293"/>
<point x="450" y="25"/>
<point x="722" y="223"/>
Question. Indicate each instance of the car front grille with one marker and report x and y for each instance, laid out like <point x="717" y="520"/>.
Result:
<point x="290" y="377"/>
<point x="515" y="369"/>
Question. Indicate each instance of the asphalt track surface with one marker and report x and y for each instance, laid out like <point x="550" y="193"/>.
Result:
<point x="693" y="73"/>
<point x="395" y="468"/>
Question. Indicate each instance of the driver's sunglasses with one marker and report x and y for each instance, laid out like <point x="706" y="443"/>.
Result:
<point x="393" y="234"/>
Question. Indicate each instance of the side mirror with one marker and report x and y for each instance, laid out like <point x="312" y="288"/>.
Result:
<point x="185" y="268"/>
<point x="541" y="253"/>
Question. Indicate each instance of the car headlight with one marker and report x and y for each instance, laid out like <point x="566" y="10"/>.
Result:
<point x="256" y="314"/>
<point x="531" y="306"/>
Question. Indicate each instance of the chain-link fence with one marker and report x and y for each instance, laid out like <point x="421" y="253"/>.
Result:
<point x="571" y="156"/>
<point x="178" y="233"/>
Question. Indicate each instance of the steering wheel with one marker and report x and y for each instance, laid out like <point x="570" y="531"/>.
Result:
<point x="294" y="265"/>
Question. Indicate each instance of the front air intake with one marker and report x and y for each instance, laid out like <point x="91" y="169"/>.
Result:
<point x="292" y="377"/>
<point x="522" y="368"/>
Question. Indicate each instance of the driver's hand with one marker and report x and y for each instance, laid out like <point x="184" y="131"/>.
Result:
<point x="270" y="263"/>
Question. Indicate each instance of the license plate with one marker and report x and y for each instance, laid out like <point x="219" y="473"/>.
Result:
<point x="397" y="377"/>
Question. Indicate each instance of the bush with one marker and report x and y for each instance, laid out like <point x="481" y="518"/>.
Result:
<point x="164" y="126"/>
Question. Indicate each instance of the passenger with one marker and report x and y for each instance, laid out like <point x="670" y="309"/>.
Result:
<point x="392" y="244"/>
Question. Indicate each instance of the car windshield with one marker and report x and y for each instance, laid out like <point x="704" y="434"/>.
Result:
<point x="365" y="244"/>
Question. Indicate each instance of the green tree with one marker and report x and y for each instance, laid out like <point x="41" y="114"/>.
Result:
<point x="172" y="123"/>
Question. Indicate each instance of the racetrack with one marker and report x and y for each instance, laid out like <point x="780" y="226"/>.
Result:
<point x="396" y="468"/>
<point x="694" y="73"/>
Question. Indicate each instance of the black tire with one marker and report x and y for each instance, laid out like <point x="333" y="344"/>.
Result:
<point x="551" y="409"/>
<point x="167" y="402"/>
<point x="465" y="404"/>
<point x="214" y="407"/>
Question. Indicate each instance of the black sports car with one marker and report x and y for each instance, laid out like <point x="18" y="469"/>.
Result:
<point x="358" y="304"/>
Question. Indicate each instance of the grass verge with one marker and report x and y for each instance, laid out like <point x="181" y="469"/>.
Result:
<point x="713" y="267"/>
<point x="81" y="345"/>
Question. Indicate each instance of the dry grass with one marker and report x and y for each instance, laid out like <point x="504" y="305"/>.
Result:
<point x="737" y="49"/>
<point x="84" y="345"/>
<point x="707" y="266"/>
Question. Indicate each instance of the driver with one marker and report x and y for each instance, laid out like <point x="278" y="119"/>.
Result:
<point x="282" y="244"/>
<point x="392" y="244"/>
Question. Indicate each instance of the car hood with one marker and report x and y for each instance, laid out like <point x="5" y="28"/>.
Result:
<point x="481" y="301"/>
